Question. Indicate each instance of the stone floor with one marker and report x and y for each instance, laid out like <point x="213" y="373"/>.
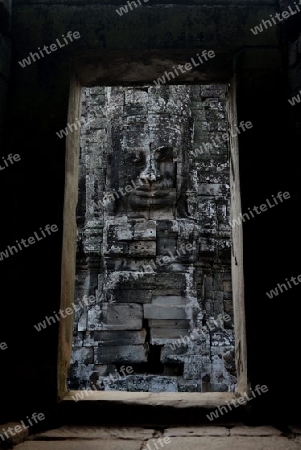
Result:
<point x="228" y="437"/>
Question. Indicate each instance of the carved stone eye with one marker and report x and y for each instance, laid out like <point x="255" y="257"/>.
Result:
<point x="164" y="154"/>
<point x="134" y="159"/>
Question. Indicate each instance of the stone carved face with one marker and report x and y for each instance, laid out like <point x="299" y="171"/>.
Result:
<point x="155" y="173"/>
<point x="148" y="177"/>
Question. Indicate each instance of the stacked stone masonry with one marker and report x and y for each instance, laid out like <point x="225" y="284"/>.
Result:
<point x="153" y="276"/>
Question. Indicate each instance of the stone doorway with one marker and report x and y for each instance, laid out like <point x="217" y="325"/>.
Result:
<point x="153" y="291"/>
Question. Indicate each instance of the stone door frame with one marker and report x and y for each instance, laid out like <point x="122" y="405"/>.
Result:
<point x="134" y="68"/>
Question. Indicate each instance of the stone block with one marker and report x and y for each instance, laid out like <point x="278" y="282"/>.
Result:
<point x="213" y="91"/>
<point x="123" y="316"/>
<point x="162" y="312"/>
<point x="116" y="338"/>
<point x="173" y="355"/>
<point x="128" y="280"/>
<point x="135" y="97"/>
<point x="78" y="339"/>
<point x="266" y="430"/>
<point x="215" y="116"/>
<point x="195" y="366"/>
<point x="166" y="333"/>
<point x="167" y="279"/>
<point x="79" y="376"/>
<point x="122" y="354"/>
<point x="95" y="317"/>
<point x="169" y="300"/>
<point x="83" y="354"/>
<point x="117" y="259"/>
<point x="207" y="246"/>
<point x="200" y="127"/>
<point x="218" y="176"/>
<point x="169" y="226"/>
<point x="175" y="324"/>
<point x="98" y="123"/>
<point x="217" y="281"/>
<point x="86" y="432"/>
<point x="142" y="248"/>
<point x="89" y="339"/>
<point x="135" y="119"/>
<point x="82" y="323"/>
<point x="189" y="385"/>
<point x="166" y="245"/>
<point x="231" y="443"/>
<point x="145" y="230"/>
<point x="204" y="430"/>
<point x="136" y="114"/>
<point x="132" y="295"/>
<point x="163" y="384"/>
<point x="138" y="383"/>
<point x="211" y="189"/>
<point x="115" y="385"/>
<point x="118" y="231"/>
<point x="117" y="96"/>
<point x="101" y="369"/>
<point x="96" y="444"/>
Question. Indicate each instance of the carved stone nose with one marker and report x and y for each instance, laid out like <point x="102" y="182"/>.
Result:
<point x="150" y="172"/>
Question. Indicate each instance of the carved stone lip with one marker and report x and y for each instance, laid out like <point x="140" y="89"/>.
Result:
<point x="146" y="188"/>
<point x="151" y="190"/>
<point x="151" y="193"/>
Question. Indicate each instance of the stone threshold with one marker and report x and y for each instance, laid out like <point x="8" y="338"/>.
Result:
<point x="146" y="408"/>
<point x="208" y="400"/>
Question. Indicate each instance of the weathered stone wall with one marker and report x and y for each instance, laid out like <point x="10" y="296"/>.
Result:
<point x="142" y="304"/>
